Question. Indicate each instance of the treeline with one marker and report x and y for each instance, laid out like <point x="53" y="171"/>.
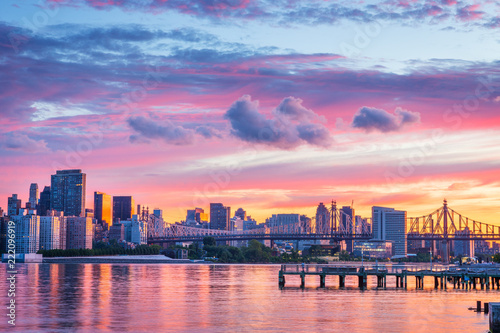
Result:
<point x="102" y="251"/>
<point x="255" y="252"/>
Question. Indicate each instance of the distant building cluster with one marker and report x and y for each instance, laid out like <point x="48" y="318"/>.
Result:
<point x="56" y="218"/>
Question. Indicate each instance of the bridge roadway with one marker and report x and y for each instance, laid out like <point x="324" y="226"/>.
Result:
<point x="299" y="237"/>
<point x="467" y="278"/>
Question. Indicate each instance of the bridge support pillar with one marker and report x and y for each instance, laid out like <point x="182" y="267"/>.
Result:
<point x="362" y="281"/>
<point x="482" y="283"/>
<point x="341" y="281"/>
<point x="406" y="282"/>
<point x="322" y="281"/>
<point x="436" y="282"/>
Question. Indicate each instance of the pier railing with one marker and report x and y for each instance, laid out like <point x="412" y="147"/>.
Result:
<point x="384" y="268"/>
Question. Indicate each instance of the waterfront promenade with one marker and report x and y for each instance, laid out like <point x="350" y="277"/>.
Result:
<point x="444" y="277"/>
<point x="119" y="259"/>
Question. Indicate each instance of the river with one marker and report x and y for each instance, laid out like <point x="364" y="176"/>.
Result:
<point x="225" y="298"/>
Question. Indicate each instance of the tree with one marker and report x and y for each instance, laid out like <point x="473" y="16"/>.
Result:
<point x="496" y="258"/>
<point x="209" y="241"/>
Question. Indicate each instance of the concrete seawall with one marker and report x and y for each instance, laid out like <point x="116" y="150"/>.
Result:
<point x="153" y="259"/>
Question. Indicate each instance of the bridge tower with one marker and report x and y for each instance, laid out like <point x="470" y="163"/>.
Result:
<point x="445" y="249"/>
<point x="333" y="227"/>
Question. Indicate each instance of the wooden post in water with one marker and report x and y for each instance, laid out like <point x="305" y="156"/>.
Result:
<point x="281" y="280"/>
<point x="322" y="278"/>
<point x="341" y="281"/>
<point x="494" y="317"/>
<point x="478" y="306"/>
<point x="486" y="308"/>
<point x="302" y="280"/>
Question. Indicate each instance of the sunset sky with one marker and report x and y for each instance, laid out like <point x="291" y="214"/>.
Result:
<point x="269" y="105"/>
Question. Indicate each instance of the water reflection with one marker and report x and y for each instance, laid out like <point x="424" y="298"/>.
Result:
<point x="226" y="298"/>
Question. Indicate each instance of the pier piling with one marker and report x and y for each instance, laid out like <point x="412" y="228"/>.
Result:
<point x="494" y="317"/>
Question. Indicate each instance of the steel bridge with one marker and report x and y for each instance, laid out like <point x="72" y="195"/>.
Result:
<point x="444" y="224"/>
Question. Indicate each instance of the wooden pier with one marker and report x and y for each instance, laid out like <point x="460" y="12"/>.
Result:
<point x="445" y="277"/>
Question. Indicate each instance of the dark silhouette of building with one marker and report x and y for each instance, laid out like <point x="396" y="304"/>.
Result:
<point x="347" y="220"/>
<point x="220" y="216"/>
<point x="33" y="200"/>
<point x="13" y="205"/>
<point x="123" y="207"/>
<point x="241" y="214"/>
<point x="103" y="208"/>
<point x="44" y="204"/>
<point x="67" y="192"/>
<point x="322" y="219"/>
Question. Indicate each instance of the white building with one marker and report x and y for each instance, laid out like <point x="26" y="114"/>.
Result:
<point x="139" y="231"/>
<point x="389" y="224"/>
<point x="50" y="227"/>
<point x="27" y="232"/>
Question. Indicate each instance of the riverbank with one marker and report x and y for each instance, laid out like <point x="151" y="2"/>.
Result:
<point x="119" y="259"/>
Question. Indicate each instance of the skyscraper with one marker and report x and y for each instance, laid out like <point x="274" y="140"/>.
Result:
<point x="67" y="192"/>
<point x="33" y="195"/>
<point x="241" y="213"/>
<point x="322" y="219"/>
<point x="79" y="233"/>
<point x="220" y="216"/>
<point x="44" y="204"/>
<point x="347" y="220"/>
<point x="50" y="227"/>
<point x="27" y="232"/>
<point x="390" y="224"/>
<point x="103" y="208"/>
<point x="123" y="207"/>
<point x="13" y="205"/>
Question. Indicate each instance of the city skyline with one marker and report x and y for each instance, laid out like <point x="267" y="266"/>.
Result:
<point x="118" y="209"/>
<point x="256" y="105"/>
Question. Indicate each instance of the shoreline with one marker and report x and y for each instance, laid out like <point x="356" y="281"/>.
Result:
<point x="119" y="259"/>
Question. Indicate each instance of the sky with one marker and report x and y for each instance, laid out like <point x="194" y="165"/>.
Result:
<point x="272" y="106"/>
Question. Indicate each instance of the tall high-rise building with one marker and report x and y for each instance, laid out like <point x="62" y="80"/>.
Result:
<point x="103" y="208"/>
<point x="242" y="214"/>
<point x="13" y="205"/>
<point x="44" y="204"/>
<point x="67" y="192"/>
<point x="50" y="238"/>
<point x="27" y="232"/>
<point x="463" y="247"/>
<point x="286" y="223"/>
<point x="34" y="196"/>
<point x="322" y="219"/>
<point x="347" y="220"/>
<point x="390" y="224"/>
<point x="123" y="207"/>
<point x="196" y="217"/>
<point x="79" y="232"/>
<point x="220" y="216"/>
<point x="157" y="212"/>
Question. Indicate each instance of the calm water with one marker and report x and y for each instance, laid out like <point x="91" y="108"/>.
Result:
<point x="224" y="298"/>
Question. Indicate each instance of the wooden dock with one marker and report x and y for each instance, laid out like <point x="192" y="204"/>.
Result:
<point x="466" y="278"/>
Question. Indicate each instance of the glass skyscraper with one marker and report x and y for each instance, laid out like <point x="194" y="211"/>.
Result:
<point x="67" y="192"/>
